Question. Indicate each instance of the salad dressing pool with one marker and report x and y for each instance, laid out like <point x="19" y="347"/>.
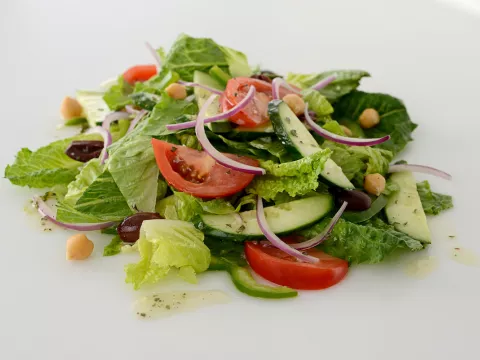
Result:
<point x="422" y="267"/>
<point x="169" y="303"/>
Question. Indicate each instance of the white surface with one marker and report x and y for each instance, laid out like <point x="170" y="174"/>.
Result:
<point x="424" y="52"/>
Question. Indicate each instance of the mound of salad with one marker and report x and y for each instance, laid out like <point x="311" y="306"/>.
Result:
<point x="200" y="162"/>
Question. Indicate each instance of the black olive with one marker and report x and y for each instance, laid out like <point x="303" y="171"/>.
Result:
<point x="265" y="75"/>
<point x="357" y="200"/>
<point x="129" y="229"/>
<point x="84" y="150"/>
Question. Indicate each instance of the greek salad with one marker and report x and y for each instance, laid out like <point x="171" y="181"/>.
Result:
<point x="201" y="162"/>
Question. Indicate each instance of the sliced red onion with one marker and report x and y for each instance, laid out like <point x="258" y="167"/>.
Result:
<point x="190" y="98"/>
<point x="114" y="116"/>
<point x="139" y="117"/>
<point x="276" y="83"/>
<point x="275" y="240"/>
<point x="107" y="141"/>
<point x="46" y="212"/>
<point x="214" y="153"/>
<point x="131" y="110"/>
<point x="420" y="169"/>
<point x="237" y="108"/>
<point x="341" y="139"/>
<point x="324" y="82"/>
<point x="155" y="55"/>
<point x="192" y="84"/>
<point x="317" y="240"/>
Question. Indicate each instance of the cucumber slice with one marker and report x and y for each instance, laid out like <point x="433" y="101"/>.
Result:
<point x="248" y="133"/>
<point x="298" y="139"/>
<point x="404" y="209"/>
<point x="283" y="219"/>
<point x="202" y="95"/>
<point x="219" y="75"/>
<point x="94" y="108"/>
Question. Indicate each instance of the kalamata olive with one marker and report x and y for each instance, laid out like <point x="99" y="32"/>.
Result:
<point x="129" y="229"/>
<point x="265" y="75"/>
<point x="357" y="200"/>
<point x="84" y="150"/>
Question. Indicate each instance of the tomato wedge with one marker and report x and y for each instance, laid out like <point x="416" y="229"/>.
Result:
<point x="282" y="269"/>
<point x="139" y="73"/>
<point x="196" y="173"/>
<point x="256" y="112"/>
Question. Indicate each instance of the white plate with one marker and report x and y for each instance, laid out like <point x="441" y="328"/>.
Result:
<point x="424" y="52"/>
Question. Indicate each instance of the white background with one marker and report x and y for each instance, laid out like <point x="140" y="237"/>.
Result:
<point x="426" y="53"/>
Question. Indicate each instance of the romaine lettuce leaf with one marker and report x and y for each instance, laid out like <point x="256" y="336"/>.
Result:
<point x="433" y="203"/>
<point x="117" y="96"/>
<point x="317" y="102"/>
<point x="346" y="81"/>
<point x="294" y="178"/>
<point x="114" y="247"/>
<point x="394" y="119"/>
<point x="46" y="167"/>
<point x="182" y="206"/>
<point x="274" y="147"/>
<point x="188" y="54"/>
<point x="368" y="242"/>
<point x="82" y="181"/>
<point x="167" y="244"/>
<point x="157" y="83"/>
<point x="135" y="171"/>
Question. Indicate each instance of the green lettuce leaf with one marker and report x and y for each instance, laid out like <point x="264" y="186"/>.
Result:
<point x="182" y="206"/>
<point x="114" y="247"/>
<point x="82" y="181"/>
<point x="345" y="82"/>
<point x="225" y="253"/>
<point x="167" y="244"/>
<point x="317" y="102"/>
<point x="274" y="147"/>
<point x="101" y="201"/>
<point x="46" y="167"/>
<point x="295" y="178"/>
<point x="155" y="85"/>
<point x="394" y="119"/>
<point x="188" y="54"/>
<point x="433" y="203"/>
<point x="240" y="147"/>
<point x="117" y="97"/>
<point x="368" y="242"/>
<point x="135" y="171"/>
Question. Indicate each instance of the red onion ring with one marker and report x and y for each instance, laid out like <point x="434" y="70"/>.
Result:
<point x="46" y="212"/>
<point x="107" y="141"/>
<point x="324" y="82"/>
<point x="114" y="116"/>
<point x="192" y="84"/>
<point x="345" y="140"/>
<point x="155" y="55"/>
<point x="317" y="240"/>
<point x="214" y="153"/>
<point x="237" y="108"/>
<point x="420" y="169"/>
<point x="134" y="122"/>
<point x="275" y="240"/>
<point x="131" y="110"/>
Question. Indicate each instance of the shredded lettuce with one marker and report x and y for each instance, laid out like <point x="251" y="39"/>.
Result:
<point x="165" y="245"/>
<point x="433" y="203"/>
<point x="295" y="178"/>
<point x="46" y="167"/>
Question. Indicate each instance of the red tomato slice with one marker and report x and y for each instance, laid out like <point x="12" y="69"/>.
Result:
<point x="282" y="269"/>
<point x="139" y="73"/>
<point x="196" y="173"/>
<point x="256" y="112"/>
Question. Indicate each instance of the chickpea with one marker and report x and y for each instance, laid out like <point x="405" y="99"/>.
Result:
<point x="346" y="130"/>
<point x="70" y="108"/>
<point x="369" y="118"/>
<point x="176" y="91"/>
<point x="295" y="103"/>
<point x="79" y="247"/>
<point x="374" y="184"/>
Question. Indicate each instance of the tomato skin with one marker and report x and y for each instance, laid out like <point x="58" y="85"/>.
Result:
<point x="255" y="113"/>
<point x="139" y="73"/>
<point x="282" y="269"/>
<point x="216" y="180"/>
